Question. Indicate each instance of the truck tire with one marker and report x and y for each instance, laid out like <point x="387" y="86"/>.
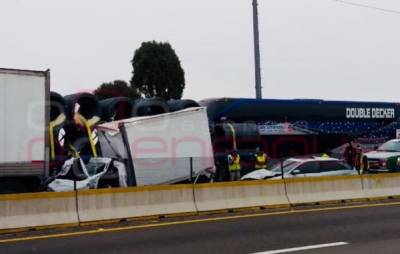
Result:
<point x="11" y="187"/>
<point x="150" y="107"/>
<point x="116" y="108"/>
<point x="176" y="105"/>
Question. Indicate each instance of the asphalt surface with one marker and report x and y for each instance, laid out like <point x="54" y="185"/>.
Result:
<point x="363" y="230"/>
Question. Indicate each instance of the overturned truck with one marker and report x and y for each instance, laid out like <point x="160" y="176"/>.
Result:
<point x="167" y="148"/>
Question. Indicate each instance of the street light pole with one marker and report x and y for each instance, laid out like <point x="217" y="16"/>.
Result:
<point x="257" y="51"/>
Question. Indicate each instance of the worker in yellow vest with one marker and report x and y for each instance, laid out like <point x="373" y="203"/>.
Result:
<point x="260" y="159"/>
<point x="234" y="165"/>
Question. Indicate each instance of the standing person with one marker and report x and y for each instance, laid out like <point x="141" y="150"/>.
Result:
<point x="357" y="161"/>
<point x="234" y="165"/>
<point x="361" y="160"/>
<point x="364" y="164"/>
<point x="350" y="154"/>
<point x="260" y="159"/>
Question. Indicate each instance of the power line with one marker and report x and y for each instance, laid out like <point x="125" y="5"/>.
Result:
<point x="368" y="6"/>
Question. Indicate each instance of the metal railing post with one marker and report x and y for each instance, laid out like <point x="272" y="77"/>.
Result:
<point x="191" y="169"/>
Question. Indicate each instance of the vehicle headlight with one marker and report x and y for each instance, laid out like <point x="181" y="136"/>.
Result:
<point x="384" y="163"/>
<point x="398" y="162"/>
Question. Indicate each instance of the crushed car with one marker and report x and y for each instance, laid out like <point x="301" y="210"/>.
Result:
<point x="98" y="172"/>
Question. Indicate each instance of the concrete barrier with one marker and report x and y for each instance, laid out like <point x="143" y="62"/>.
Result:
<point x="381" y="185"/>
<point x="319" y="189"/>
<point x="219" y="196"/>
<point x="111" y="204"/>
<point x="22" y="211"/>
<point x="37" y="210"/>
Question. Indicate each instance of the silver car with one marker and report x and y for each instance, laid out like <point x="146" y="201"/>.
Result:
<point x="303" y="167"/>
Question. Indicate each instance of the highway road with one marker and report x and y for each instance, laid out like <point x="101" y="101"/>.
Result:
<point x="367" y="229"/>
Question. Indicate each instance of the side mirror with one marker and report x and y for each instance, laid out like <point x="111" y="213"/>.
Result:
<point x="296" y="172"/>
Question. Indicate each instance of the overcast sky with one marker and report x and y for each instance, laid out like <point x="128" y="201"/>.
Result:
<point x="309" y="48"/>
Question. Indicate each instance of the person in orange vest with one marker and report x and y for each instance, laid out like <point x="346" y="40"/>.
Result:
<point x="260" y="159"/>
<point x="234" y="165"/>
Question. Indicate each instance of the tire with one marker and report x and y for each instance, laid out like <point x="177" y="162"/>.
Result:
<point x="11" y="187"/>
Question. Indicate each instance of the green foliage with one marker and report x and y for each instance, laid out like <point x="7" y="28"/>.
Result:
<point x="157" y="71"/>
<point x="115" y="89"/>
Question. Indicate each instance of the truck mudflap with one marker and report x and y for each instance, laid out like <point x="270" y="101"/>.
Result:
<point x="14" y="169"/>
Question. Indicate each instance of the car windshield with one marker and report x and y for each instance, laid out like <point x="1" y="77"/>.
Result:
<point x="288" y="165"/>
<point x="391" y="146"/>
<point x="94" y="167"/>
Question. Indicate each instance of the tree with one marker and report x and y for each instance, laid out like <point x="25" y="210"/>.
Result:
<point x="115" y="89"/>
<point x="157" y="71"/>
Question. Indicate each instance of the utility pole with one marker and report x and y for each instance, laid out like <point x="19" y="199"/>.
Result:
<point x="257" y="51"/>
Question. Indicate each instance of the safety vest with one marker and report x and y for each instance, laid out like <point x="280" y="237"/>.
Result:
<point x="234" y="163"/>
<point x="261" y="161"/>
<point x="325" y="156"/>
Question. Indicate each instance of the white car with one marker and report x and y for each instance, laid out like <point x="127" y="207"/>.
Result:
<point x="303" y="167"/>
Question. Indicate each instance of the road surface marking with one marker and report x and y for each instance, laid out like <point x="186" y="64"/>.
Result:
<point x="310" y="247"/>
<point x="164" y="224"/>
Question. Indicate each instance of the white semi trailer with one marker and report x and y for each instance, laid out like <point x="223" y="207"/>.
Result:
<point x="160" y="149"/>
<point x="24" y="114"/>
